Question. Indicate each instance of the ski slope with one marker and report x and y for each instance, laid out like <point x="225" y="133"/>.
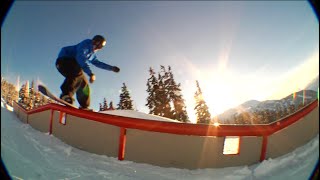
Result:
<point x="30" y="154"/>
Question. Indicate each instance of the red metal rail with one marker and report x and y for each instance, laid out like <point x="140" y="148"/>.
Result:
<point x="178" y="128"/>
<point x="182" y="128"/>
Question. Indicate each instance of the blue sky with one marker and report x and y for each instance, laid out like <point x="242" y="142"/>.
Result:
<point x="237" y="50"/>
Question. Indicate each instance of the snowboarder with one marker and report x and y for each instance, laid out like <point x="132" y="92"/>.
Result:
<point x="73" y="62"/>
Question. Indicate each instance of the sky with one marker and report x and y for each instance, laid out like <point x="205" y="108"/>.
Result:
<point x="238" y="51"/>
<point x="30" y="154"/>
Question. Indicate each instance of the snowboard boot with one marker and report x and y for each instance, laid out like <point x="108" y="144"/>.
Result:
<point x="85" y="108"/>
<point x="67" y="98"/>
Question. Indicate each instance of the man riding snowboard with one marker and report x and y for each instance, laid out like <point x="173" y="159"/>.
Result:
<point x="73" y="62"/>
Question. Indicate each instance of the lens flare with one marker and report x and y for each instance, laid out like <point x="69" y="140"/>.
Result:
<point x="294" y="95"/>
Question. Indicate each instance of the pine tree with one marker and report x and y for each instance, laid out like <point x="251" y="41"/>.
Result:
<point x="8" y="92"/>
<point x="273" y="116"/>
<point x="43" y="100"/>
<point x="291" y="108"/>
<point x="255" y="118"/>
<point x="269" y="115"/>
<point x="265" y="116"/>
<point x="246" y="117"/>
<point x="285" y="112"/>
<point x="111" y="106"/>
<point x="238" y="119"/>
<point x="100" y="107"/>
<point x="24" y="95"/>
<point x="37" y="99"/>
<point x="164" y="95"/>
<point x="163" y="106"/>
<point x="175" y="96"/>
<point x="300" y="106"/>
<point x="31" y="95"/>
<point x="4" y="87"/>
<point x="125" y="99"/>
<point x="152" y="87"/>
<point x="105" y="104"/>
<point x="31" y="89"/>
<point x="202" y="110"/>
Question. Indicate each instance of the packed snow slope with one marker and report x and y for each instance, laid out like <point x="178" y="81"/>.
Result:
<point x="30" y="154"/>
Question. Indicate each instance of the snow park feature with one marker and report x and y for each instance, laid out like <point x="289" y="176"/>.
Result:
<point x="94" y="146"/>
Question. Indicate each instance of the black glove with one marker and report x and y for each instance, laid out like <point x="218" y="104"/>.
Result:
<point x="115" y="69"/>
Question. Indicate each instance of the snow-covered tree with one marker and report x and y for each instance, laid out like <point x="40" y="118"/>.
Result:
<point x="8" y="91"/>
<point x="43" y="100"/>
<point x="37" y="99"/>
<point x="202" y="110"/>
<point x="31" y="95"/>
<point x="125" y="99"/>
<point x="24" y="94"/>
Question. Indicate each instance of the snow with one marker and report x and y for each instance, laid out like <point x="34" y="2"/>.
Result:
<point x="136" y="114"/>
<point x="4" y="105"/>
<point x="30" y="154"/>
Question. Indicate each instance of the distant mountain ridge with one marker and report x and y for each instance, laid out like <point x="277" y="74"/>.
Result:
<point x="313" y="85"/>
<point x="296" y="99"/>
<point x="251" y="103"/>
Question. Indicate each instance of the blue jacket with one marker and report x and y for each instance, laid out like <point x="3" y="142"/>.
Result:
<point x="83" y="53"/>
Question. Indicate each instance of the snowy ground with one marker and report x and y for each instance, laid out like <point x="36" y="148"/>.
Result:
<point x="30" y="154"/>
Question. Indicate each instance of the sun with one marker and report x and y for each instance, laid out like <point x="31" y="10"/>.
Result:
<point x="219" y="89"/>
<point x="218" y="94"/>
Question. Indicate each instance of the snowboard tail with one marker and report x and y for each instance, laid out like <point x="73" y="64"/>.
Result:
<point x="45" y="91"/>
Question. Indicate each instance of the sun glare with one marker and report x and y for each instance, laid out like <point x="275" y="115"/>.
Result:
<point x="223" y="89"/>
<point x="216" y="124"/>
<point x="218" y="95"/>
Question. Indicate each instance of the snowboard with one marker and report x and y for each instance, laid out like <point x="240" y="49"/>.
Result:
<point x="45" y="91"/>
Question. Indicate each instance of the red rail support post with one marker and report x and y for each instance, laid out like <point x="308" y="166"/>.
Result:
<point x="122" y="143"/>
<point x="264" y="148"/>
<point x="51" y="122"/>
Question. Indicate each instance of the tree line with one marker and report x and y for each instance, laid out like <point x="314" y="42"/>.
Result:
<point x="8" y="91"/>
<point x="164" y="99"/>
<point x="27" y="96"/>
<point x="125" y="103"/>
